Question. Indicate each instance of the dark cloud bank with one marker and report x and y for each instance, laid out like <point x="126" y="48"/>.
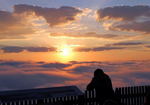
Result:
<point x="128" y="16"/>
<point x="127" y="13"/>
<point x="23" y="75"/>
<point x="114" y="46"/>
<point x="14" y="25"/>
<point x="17" y="49"/>
<point x="53" y="16"/>
<point x="105" y="48"/>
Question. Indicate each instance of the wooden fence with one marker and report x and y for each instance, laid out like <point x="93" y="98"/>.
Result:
<point x="132" y="95"/>
<point x="127" y="96"/>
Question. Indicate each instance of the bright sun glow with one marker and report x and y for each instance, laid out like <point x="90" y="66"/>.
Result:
<point x="66" y="51"/>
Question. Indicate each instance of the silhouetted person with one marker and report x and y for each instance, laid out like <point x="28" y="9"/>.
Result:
<point x="147" y="101"/>
<point x="110" y="102"/>
<point x="103" y="86"/>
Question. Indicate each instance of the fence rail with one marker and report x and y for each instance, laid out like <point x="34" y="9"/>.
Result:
<point x="127" y="96"/>
<point x="132" y="95"/>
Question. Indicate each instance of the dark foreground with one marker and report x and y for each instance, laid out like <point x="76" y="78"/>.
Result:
<point x="71" y="95"/>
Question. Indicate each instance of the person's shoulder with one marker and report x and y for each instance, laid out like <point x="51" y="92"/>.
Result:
<point x="106" y="76"/>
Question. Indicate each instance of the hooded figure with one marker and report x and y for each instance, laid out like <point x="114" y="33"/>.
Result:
<point x="103" y="86"/>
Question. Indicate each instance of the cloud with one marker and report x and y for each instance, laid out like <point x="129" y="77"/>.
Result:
<point x="126" y="18"/>
<point x="23" y="75"/>
<point x="85" y="35"/>
<point x="17" y="49"/>
<point x="53" y="16"/>
<point x="125" y="73"/>
<point x="43" y="65"/>
<point x="133" y="26"/>
<point x="107" y="47"/>
<point x="126" y="13"/>
<point x="12" y="63"/>
<point x="7" y="18"/>
<point x="21" y="21"/>
<point x="83" y="69"/>
<point x="128" y="43"/>
<point x="142" y="75"/>
<point x="13" y="26"/>
<point x="133" y="78"/>
<point x="27" y="81"/>
<point x="90" y="35"/>
<point x="12" y="49"/>
<point x="55" y="65"/>
<point x="104" y="48"/>
<point x="40" y="49"/>
<point x="148" y="46"/>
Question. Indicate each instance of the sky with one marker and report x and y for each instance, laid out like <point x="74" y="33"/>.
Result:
<point x="48" y="43"/>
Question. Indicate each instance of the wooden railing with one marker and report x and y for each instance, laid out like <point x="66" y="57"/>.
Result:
<point x="132" y="95"/>
<point x="126" y="95"/>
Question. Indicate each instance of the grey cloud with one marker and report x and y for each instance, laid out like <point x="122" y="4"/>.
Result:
<point x="148" y="46"/>
<point x="105" y="48"/>
<point x="40" y="49"/>
<point x="27" y="81"/>
<point x="6" y="19"/>
<point x="53" y="16"/>
<point x="129" y="18"/>
<point x="83" y="69"/>
<point x="12" y="49"/>
<point x="90" y="35"/>
<point x="133" y="26"/>
<point x="35" y="64"/>
<point x="55" y="65"/>
<point x="16" y="75"/>
<point x="124" y="12"/>
<point x="134" y="78"/>
<point x="13" y="26"/>
<point x="126" y="73"/>
<point x="128" y="43"/>
<point x="142" y="75"/>
<point x="12" y="63"/>
<point x="84" y="62"/>
<point x="17" y="49"/>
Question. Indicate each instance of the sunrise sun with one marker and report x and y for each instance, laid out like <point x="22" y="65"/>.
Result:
<point x="65" y="51"/>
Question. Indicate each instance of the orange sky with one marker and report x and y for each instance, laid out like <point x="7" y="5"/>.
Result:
<point x="90" y="35"/>
<point x="41" y="42"/>
<point x="124" y="55"/>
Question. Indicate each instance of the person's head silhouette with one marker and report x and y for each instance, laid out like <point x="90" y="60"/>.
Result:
<point x="102" y="85"/>
<point x="98" y="73"/>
